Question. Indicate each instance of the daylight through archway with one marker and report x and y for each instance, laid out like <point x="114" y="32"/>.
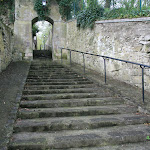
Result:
<point x="42" y="38"/>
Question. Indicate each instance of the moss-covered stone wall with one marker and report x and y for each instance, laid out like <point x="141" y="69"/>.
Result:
<point x="6" y="46"/>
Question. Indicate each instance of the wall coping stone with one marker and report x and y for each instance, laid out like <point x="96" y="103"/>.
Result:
<point x="124" y="20"/>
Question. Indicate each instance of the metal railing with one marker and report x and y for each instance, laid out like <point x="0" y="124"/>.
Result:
<point x="142" y="66"/>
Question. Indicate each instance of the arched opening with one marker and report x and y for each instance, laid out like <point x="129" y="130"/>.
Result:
<point x="42" y="38"/>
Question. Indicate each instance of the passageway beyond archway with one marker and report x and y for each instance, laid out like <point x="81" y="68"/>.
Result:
<point x="42" y="38"/>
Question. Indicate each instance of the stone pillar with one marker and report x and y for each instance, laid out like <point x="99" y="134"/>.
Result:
<point x="23" y="39"/>
<point x="59" y="37"/>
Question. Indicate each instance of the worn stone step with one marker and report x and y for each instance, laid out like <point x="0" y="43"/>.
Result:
<point x="46" y="67"/>
<point x="55" y="77"/>
<point x="131" y="146"/>
<point x="78" y="123"/>
<point x="56" y="80"/>
<point x="80" y="138"/>
<point x="47" y="87"/>
<point x="71" y="102"/>
<point x="59" y="83"/>
<point x="50" y="73"/>
<point x="58" y="96"/>
<point x="74" y="111"/>
<point x="49" y="68"/>
<point x="54" y="91"/>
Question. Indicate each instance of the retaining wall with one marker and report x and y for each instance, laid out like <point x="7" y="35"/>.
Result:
<point x="6" y="46"/>
<point x="127" y="39"/>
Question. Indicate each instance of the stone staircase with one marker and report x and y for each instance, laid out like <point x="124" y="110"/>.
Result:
<point x="60" y="109"/>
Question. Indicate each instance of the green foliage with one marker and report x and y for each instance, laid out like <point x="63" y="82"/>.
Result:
<point x="128" y="9"/>
<point x="41" y="10"/>
<point x="70" y="8"/>
<point x="121" y="13"/>
<point x="35" y="29"/>
<point x="65" y="8"/>
<point x="7" y="7"/>
<point x="129" y="4"/>
<point x="87" y="17"/>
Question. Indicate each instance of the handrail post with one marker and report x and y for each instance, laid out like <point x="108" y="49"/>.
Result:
<point x="105" y="70"/>
<point x="143" y="94"/>
<point x="61" y="56"/>
<point x="83" y="63"/>
<point x="70" y="57"/>
<point x="143" y="66"/>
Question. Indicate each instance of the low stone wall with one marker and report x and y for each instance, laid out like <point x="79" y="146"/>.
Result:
<point x="123" y="39"/>
<point x="6" y="46"/>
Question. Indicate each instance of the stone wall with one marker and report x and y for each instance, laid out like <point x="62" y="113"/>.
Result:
<point x="124" y="39"/>
<point x="6" y="46"/>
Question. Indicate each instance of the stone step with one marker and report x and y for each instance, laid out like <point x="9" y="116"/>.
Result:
<point x="58" y="96"/>
<point x="55" y="77"/>
<point x="61" y="76"/>
<point x="48" y="68"/>
<point x="54" y="91"/>
<point x="45" y="65"/>
<point x="78" y="123"/>
<point x="74" y="111"/>
<point x="47" y="87"/>
<point x="60" y="109"/>
<point x="59" y="83"/>
<point x="80" y="138"/>
<point x="55" y="80"/>
<point x="71" y="102"/>
<point x="50" y="73"/>
<point x="131" y="146"/>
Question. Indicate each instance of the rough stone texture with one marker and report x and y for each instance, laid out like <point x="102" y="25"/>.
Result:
<point x="71" y="118"/>
<point x="11" y="84"/>
<point x="24" y="15"/>
<point x="6" y="46"/>
<point x="124" y="40"/>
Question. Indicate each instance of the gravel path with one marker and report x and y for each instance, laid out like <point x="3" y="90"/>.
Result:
<point x="11" y="84"/>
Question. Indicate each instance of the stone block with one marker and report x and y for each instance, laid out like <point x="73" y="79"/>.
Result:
<point x="147" y="37"/>
<point x="144" y="42"/>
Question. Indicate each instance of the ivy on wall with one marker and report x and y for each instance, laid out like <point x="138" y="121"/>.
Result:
<point x="65" y="8"/>
<point x="41" y="10"/>
<point x="87" y="17"/>
<point x="7" y="8"/>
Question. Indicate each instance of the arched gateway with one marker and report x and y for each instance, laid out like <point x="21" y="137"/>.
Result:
<point x="25" y="15"/>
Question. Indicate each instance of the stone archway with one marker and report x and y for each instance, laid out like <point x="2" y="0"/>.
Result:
<point x="47" y="52"/>
<point x="24" y="17"/>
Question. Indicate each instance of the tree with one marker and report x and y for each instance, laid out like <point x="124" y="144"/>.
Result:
<point x="35" y="29"/>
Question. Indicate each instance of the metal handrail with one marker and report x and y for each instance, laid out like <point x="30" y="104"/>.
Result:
<point x="143" y="66"/>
